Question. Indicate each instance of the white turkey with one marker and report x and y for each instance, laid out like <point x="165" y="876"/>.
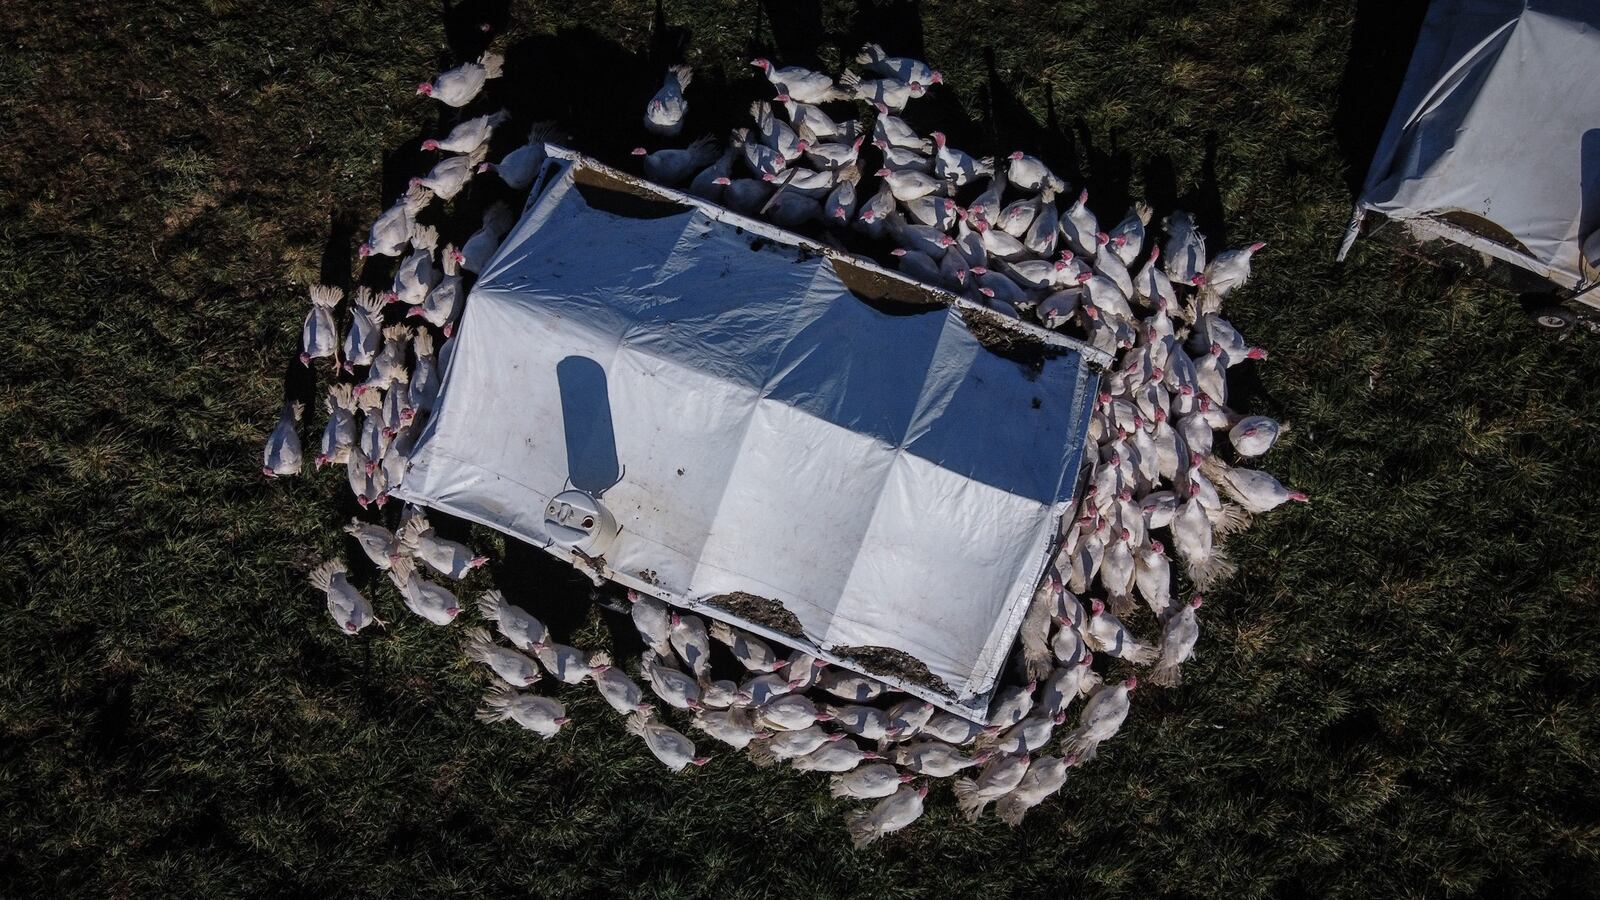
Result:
<point x="1108" y="635"/>
<point x="338" y="434"/>
<point x="869" y="782"/>
<point x="319" y="336"/>
<point x="958" y="166"/>
<point x="543" y="716"/>
<point x="998" y="777"/>
<point x="349" y="609"/>
<point x="1177" y="645"/>
<point x="365" y="336"/>
<point x="458" y="86"/>
<point x="518" y="626"/>
<point x="664" y="113"/>
<point x="511" y="666"/>
<point x="734" y="727"/>
<point x="872" y="58"/>
<point x="519" y="167"/>
<point x="675" y="751"/>
<point x="775" y="133"/>
<point x="888" y="94"/>
<point x="433" y="602"/>
<point x="281" y="455"/>
<point x="446" y="179"/>
<point x="834" y="756"/>
<point x="452" y="559"/>
<point x="1044" y="777"/>
<point x="1099" y="722"/>
<point x="890" y="815"/>
<point x="469" y="135"/>
<point x="482" y="244"/>
<point x="674" y="167"/>
<point x="1256" y="491"/>
<point x="799" y="84"/>
<point x="1028" y="173"/>
<point x="1185" y="250"/>
<point x="442" y="305"/>
<point x="391" y="232"/>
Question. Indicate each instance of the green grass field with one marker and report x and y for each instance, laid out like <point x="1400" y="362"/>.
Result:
<point x="1396" y="697"/>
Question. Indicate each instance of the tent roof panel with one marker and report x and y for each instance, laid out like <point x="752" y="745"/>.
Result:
<point x="759" y="429"/>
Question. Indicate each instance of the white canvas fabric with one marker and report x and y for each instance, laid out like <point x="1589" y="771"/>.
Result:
<point x="1499" y="119"/>
<point x="756" y="428"/>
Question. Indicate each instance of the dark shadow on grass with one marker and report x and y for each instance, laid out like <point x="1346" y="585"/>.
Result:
<point x="300" y="383"/>
<point x="1204" y="199"/>
<point x="669" y="44"/>
<point x="1381" y="42"/>
<point x="894" y="25"/>
<point x="470" y="26"/>
<point x="545" y="586"/>
<point x="795" y="30"/>
<point x="336" y="253"/>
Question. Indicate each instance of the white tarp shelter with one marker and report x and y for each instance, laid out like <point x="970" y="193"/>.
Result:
<point x="1494" y="142"/>
<point x="769" y="441"/>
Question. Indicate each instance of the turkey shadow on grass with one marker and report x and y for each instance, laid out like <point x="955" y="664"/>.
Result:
<point x="1203" y="198"/>
<point x="1013" y="126"/>
<point x="336" y="252"/>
